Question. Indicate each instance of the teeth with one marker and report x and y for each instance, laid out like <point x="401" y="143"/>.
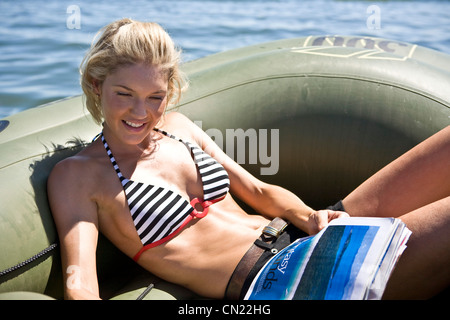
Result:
<point x="134" y="125"/>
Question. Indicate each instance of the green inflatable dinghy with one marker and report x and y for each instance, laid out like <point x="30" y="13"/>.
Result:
<point x="317" y="115"/>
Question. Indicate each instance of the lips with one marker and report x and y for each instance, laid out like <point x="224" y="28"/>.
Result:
<point x="134" y="124"/>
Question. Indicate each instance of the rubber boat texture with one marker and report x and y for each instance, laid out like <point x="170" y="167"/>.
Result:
<point x="330" y="110"/>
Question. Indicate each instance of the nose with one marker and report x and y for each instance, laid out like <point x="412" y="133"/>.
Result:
<point x="139" y="109"/>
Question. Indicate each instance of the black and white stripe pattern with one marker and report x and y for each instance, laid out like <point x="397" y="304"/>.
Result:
<point x="158" y="212"/>
<point x="214" y="177"/>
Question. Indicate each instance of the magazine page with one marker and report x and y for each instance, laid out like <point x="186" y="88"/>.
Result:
<point x="340" y="262"/>
<point x="395" y="250"/>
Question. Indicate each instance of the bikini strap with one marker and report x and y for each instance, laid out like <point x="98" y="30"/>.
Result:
<point x="123" y="180"/>
<point x="197" y="153"/>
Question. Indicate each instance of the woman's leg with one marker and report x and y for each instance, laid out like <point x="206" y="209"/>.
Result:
<point x="415" y="188"/>
<point x="417" y="178"/>
<point x="424" y="268"/>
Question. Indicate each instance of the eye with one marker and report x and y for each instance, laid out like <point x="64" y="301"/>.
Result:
<point x="123" y="94"/>
<point x="159" y="98"/>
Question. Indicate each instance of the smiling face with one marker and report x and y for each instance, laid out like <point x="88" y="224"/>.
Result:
<point x="133" y="100"/>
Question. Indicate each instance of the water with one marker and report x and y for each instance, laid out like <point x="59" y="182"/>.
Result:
<point x="43" y="42"/>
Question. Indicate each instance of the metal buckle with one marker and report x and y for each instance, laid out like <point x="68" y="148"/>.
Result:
<point x="271" y="231"/>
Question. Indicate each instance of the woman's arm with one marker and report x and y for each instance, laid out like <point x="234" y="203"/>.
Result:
<point x="267" y="199"/>
<point x="75" y="215"/>
<point x="274" y="201"/>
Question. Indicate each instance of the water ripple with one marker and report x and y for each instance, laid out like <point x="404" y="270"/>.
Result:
<point x="40" y="55"/>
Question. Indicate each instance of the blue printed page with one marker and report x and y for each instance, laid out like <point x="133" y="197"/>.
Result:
<point x="339" y="263"/>
<point x="279" y="272"/>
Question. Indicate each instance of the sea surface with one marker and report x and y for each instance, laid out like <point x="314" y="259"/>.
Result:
<point x="42" y="42"/>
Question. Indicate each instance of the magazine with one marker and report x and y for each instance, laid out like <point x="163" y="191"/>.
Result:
<point x="350" y="259"/>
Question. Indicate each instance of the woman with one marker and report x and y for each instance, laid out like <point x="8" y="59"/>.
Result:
<point x="165" y="203"/>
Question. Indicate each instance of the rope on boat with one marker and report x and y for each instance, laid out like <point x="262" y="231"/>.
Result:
<point x="146" y="291"/>
<point x="28" y="261"/>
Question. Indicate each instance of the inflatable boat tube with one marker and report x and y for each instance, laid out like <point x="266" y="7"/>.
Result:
<point x="317" y="115"/>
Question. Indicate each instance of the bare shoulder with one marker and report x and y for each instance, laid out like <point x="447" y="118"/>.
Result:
<point x="80" y="165"/>
<point x="183" y="127"/>
<point x="177" y="120"/>
<point x="74" y="177"/>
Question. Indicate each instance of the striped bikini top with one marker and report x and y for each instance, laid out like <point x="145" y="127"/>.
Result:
<point x="159" y="213"/>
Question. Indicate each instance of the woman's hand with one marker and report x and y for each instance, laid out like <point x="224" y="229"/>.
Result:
<point x="320" y="219"/>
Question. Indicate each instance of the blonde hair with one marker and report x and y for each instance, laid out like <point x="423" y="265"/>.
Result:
<point x="126" y="42"/>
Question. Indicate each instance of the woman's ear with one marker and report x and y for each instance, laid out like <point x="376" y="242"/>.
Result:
<point x="96" y="87"/>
